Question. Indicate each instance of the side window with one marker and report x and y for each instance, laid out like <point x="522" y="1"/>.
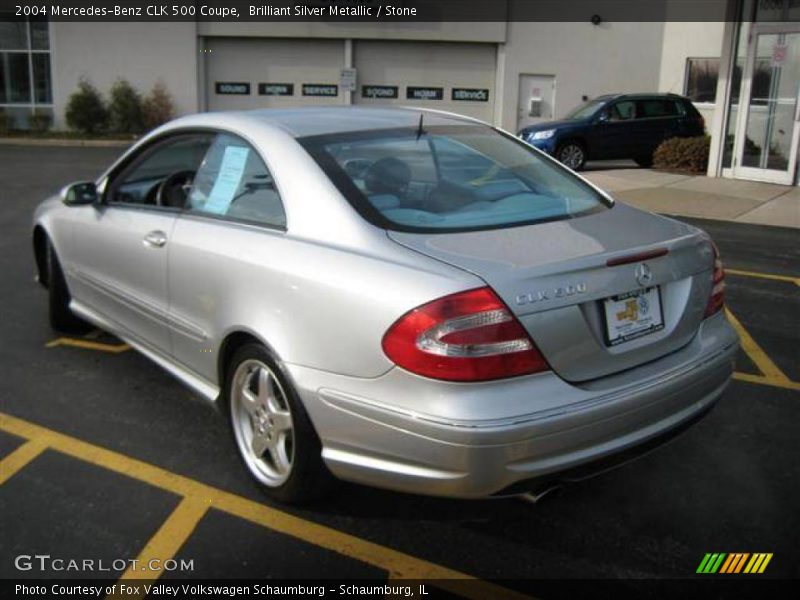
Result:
<point x="161" y="175"/>
<point x="657" y="107"/>
<point x="234" y="182"/>
<point x="623" y="111"/>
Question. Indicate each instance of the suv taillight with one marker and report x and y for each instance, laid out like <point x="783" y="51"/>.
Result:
<point x="468" y="336"/>
<point x="717" y="298"/>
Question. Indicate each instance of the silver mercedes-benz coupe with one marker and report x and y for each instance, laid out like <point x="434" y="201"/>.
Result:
<point x="403" y="298"/>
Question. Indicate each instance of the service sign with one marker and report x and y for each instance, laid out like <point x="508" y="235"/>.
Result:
<point x="232" y="88"/>
<point x="424" y="93"/>
<point x="276" y="89"/>
<point x="471" y="94"/>
<point x="320" y="89"/>
<point x="379" y="91"/>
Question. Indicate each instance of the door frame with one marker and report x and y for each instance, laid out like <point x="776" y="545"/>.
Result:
<point x="756" y="173"/>
<point x="519" y="86"/>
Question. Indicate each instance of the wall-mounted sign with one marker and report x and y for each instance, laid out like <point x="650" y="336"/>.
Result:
<point x="347" y="80"/>
<point x="230" y="87"/>
<point x="320" y="89"/>
<point x="779" y="52"/>
<point x="379" y="91"/>
<point x="424" y="93"/>
<point x="471" y="94"/>
<point x="276" y="89"/>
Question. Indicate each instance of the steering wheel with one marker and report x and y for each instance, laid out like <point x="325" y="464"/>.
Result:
<point x="174" y="190"/>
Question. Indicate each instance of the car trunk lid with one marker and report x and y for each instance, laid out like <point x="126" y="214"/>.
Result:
<point x="556" y="277"/>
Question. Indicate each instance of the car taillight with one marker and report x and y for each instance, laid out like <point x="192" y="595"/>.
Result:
<point x="717" y="298"/>
<point x="468" y="336"/>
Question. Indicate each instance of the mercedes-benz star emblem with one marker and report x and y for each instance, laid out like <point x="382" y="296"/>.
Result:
<point x="643" y="275"/>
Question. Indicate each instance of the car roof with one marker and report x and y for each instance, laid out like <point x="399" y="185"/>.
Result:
<point x="324" y="120"/>
<point x="639" y="95"/>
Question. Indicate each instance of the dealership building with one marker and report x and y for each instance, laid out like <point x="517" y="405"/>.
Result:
<point x="742" y="71"/>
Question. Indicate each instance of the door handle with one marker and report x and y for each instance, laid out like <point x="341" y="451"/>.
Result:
<point x="155" y="239"/>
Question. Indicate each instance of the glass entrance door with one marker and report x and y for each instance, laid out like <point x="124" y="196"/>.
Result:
<point x="769" y="126"/>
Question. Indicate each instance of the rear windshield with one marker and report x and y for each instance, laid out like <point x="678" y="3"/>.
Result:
<point x="449" y="178"/>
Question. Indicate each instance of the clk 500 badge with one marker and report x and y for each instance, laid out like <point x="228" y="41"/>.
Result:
<point x="559" y="292"/>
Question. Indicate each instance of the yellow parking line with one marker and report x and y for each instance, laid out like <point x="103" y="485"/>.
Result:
<point x="398" y="564"/>
<point x="795" y="280"/>
<point x="166" y="542"/>
<point x="772" y="374"/>
<point x="111" y="348"/>
<point x="760" y="379"/>
<point x="19" y="458"/>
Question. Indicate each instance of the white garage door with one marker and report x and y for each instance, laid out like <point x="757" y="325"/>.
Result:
<point x="243" y="73"/>
<point x="457" y="77"/>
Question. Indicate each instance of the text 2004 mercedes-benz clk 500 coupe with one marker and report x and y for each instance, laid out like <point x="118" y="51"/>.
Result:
<point x="402" y="298"/>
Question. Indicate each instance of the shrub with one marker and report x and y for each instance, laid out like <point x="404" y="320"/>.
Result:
<point x="685" y="154"/>
<point x="157" y="107"/>
<point x="40" y="122"/>
<point x="86" y="110"/>
<point x="125" y="108"/>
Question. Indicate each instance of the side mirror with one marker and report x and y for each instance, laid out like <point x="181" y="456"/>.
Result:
<point x="79" y="193"/>
<point x="603" y="117"/>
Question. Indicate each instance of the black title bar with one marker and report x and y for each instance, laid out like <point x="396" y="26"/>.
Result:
<point x="596" y="12"/>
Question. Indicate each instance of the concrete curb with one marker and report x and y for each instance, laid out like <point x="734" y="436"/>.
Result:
<point x="13" y="141"/>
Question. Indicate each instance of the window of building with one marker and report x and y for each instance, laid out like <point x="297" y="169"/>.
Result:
<point x="25" y="76"/>
<point x="701" y="79"/>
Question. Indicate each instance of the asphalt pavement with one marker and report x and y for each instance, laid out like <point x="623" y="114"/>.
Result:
<point x="729" y="484"/>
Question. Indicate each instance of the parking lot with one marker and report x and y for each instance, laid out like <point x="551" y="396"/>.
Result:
<point x="105" y="456"/>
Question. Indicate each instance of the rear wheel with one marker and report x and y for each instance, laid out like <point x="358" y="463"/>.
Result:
<point x="273" y="434"/>
<point x="61" y="317"/>
<point x="572" y="155"/>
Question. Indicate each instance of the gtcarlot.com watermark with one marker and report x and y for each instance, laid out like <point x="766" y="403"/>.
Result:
<point x="46" y="562"/>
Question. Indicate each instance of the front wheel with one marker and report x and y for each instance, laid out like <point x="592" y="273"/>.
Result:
<point x="572" y="155"/>
<point x="273" y="434"/>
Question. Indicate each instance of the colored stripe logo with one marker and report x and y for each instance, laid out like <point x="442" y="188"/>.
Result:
<point x="734" y="562"/>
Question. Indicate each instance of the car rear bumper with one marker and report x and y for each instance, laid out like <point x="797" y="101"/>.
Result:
<point x="412" y="434"/>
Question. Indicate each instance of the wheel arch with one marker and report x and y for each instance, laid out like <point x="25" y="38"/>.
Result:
<point x="232" y="341"/>
<point x="40" y="254"/>
<point x="574" y="138"/>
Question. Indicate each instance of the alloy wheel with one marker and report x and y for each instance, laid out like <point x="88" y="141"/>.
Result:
<point x="571" y="155"/>
<point x="262" y="422"/>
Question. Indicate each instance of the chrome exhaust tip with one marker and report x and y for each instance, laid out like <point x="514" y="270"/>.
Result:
<point x="534" y="497"/>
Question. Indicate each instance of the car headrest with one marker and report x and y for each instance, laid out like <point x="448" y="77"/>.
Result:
<point x="387" y="176"/>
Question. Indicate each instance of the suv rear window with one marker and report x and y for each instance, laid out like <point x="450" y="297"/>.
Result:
<point x="449" y="178"/>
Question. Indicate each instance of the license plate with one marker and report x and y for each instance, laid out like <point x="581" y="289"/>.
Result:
<point x="631" y="315"/>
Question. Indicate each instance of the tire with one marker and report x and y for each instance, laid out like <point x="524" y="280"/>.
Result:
<point x="271" y="430"/>
<point x="61" y="317"/>
<point x="644" y="161"/>
<point x="571" y="154"/>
